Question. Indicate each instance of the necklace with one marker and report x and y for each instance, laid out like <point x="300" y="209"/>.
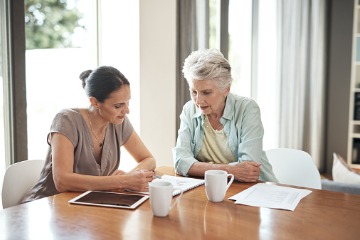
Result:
<point x="101" y="143"/>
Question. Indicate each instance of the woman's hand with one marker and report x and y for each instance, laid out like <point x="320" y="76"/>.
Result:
<point x="138" y="180"/>
<point x="247" y="171"/>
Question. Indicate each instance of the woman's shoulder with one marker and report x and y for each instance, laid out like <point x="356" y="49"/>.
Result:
<point x="70" y="123"/>
<point x="69" y="113"/>
<point x="190" y="110"/>
<point x="190" y="106"/>
<point x="244" y="101"/>
<point x="238" y="106"/>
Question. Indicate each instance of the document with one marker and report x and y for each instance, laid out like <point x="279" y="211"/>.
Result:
<point x="271" y="196"/>
<point x="183" y="183"/>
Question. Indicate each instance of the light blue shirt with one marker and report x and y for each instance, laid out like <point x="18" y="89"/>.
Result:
<point x="242" y="126"/>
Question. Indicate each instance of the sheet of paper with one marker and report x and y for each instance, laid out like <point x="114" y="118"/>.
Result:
<point x="271" y="196"/>
<point x="184" y="183"/>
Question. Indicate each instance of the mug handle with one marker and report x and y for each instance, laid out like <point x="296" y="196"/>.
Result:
<point x="231" y="180"/>
<point x="178" y="197"/>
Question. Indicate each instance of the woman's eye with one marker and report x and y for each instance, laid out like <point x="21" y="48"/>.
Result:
<point x="119" y="105"/>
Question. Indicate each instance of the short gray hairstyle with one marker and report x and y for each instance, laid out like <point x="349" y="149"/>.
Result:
<point x="207" y="64"/>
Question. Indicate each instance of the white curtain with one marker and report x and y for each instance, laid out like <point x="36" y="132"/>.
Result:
<point x="302" y="77"/>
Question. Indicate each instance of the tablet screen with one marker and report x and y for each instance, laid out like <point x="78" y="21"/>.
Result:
<point x="109" y="199"/>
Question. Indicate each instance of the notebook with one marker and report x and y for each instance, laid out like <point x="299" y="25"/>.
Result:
<point x="109" y="199"/>
<point x="184" y="183"/>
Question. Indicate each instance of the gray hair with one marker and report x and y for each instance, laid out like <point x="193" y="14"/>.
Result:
<point x="207" y="64"/>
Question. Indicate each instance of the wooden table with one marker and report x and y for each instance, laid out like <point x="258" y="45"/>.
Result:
<point x="320" y="215"/>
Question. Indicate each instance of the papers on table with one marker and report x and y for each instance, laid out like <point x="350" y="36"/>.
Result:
<point x="183" y="183"/>
<point x="271" y="196"/>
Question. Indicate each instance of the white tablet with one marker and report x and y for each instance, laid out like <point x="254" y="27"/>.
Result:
<point x="109" y="199"/>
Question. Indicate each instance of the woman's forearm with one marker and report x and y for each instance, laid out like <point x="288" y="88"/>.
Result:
<point x="198" y="169"/>
<point x="147" y="163"/>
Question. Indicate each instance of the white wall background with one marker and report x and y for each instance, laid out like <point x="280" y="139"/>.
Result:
<point x="157" y="77"/>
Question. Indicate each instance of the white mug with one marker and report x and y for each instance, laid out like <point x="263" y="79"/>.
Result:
<point x="216" y="184"/>
<point x="161" y="194"/>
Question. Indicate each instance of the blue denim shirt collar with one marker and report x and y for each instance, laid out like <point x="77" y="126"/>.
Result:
<point x="229" y="105"/>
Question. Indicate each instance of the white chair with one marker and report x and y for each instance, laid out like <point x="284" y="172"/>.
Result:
<point x="19" y="178"/>
<point x="294" y="167"/>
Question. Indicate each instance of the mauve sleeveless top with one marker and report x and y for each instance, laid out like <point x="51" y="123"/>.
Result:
<point x="72" y="125"/>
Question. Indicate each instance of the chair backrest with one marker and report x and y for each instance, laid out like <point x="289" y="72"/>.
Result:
<point x="294" y="167"/>
<point x="19" y="178"/>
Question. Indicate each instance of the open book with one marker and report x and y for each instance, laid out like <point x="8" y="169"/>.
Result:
<point x="184" y="183"/>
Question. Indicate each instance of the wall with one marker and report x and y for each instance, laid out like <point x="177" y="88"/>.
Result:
<point x="157" y="77"/>
<point x="339" y="74"/>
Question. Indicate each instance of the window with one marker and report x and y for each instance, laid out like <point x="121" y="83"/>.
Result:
<point x="240" y="39"/>
<point x="252" y="54"/>
<point x="267" y="94"/>
<point x="52" y="72"/>
<point x="103" y="37"/>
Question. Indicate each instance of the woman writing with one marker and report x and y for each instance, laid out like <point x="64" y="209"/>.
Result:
<point x="84" y="144"/>
<point x="218" y="129"/>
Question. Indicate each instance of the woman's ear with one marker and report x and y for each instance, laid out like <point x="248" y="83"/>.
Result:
<point x="227" y="90"/>
<point x="94" y="102"/>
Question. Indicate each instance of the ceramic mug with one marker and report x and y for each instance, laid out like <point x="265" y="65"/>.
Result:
<point x="216" y="184"/>
<point x="161" y="194"/>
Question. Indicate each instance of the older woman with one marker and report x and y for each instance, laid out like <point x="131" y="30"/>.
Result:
<point x="218" y="129"/>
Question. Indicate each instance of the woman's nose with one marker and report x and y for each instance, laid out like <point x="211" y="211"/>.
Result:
<point x="199" y="99"/>
<point x="126" y="109"/>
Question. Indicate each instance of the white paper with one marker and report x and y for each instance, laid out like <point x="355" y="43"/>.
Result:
<point x="271" y="196"/>
<point x="183" y="183"/>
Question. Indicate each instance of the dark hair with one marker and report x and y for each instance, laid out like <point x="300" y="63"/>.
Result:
<point x="102" y="81"/>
